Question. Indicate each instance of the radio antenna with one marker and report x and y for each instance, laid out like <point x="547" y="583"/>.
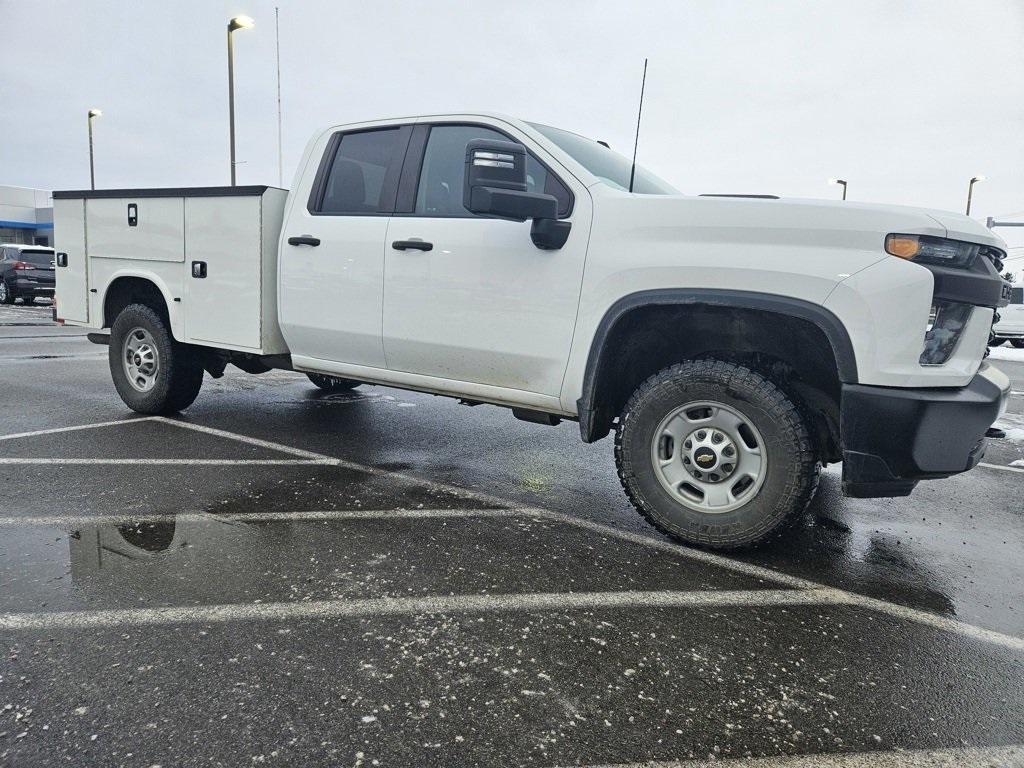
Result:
<point x="639" y="113"/>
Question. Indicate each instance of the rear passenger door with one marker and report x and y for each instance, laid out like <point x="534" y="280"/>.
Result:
<point x="483" y="304"/>
<point x="332" y="252"/>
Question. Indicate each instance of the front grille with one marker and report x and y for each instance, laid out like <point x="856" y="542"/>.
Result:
<point x="994" y="255"/>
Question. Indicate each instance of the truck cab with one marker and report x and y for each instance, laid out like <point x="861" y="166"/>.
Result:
<point x="733" y="344"/>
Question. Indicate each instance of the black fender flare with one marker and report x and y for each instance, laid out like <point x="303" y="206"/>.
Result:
<point x="828" y="323"/>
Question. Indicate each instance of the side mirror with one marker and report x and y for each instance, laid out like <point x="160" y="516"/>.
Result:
<point x="495" y="185"/>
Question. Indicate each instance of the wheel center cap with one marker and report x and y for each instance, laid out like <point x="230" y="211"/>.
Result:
<point x="705" y="458"/>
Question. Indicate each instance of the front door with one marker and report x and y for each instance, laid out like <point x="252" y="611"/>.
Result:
<point x="483" y="305"/>
<point x="332" y="251"/>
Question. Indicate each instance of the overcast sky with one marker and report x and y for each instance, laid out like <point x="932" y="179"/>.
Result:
<point x="907" y="100"/>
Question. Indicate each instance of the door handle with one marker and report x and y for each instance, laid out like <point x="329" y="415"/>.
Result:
<point x="412" y="245"/>
<point x="304" y="240"/>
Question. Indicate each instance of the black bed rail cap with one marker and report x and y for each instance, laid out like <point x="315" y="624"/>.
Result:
<point x="249" y="191"/>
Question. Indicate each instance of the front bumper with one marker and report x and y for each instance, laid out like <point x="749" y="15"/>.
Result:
<point x="894" y="437"/>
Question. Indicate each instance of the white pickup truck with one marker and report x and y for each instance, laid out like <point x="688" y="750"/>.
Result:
<point x="734" y="343"/>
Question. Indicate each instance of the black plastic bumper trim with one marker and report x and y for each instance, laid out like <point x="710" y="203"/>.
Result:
<point x="980" y="285"/>
<point x="894" y="437"/>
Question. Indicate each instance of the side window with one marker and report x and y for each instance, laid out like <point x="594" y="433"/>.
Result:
<point x="444" y="165"/>
<point x="360" y="170"/>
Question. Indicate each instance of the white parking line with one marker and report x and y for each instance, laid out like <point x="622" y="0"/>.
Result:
<point x="976" y="757"/>
<point x="248" y="440"/>
<point x="1000" y="467"/>
<point x="409" y="606"/>
<point x="71" y="522"/>
<point x="837" y="596"/>
<point x="175" y="462"/>
<point x="308" y="457"/>
<point x="40" y="432"/>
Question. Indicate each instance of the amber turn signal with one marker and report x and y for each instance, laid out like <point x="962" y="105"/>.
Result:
<point x="904" y="246"/>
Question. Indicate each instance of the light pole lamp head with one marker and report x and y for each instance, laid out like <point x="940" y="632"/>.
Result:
<point x="979" y="177"/>
<point x="95" y="113"/>
<point x="837" y="181"/>
<point x="241" y="22"/>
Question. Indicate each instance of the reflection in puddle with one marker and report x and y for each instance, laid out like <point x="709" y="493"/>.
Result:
<point x="102" y="554"/>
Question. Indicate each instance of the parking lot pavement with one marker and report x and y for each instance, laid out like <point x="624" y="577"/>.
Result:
<point x="284" y="577"/>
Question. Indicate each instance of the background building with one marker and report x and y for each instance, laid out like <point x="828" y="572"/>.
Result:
<point x="26" y="216"/>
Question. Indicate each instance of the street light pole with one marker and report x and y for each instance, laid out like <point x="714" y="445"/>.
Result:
<point x="92" y="168"/>
<point x="238" y="22"/>
<point x="970" y="191"/>
<point x="840" y="182"/>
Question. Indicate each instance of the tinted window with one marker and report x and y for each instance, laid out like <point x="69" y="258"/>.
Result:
<point x="1017" y="295"/>
<point x="36" y="258"/>
<point x="359" y="170"/>
<point x="444" y="166"/>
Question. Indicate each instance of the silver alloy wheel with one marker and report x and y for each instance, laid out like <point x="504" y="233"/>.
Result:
<point x="141" y="359"/>
<point x="3" y="292"/>
<point x="709" y="457"/>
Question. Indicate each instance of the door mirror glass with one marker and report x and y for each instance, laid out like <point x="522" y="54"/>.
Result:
<point x="495" y="183"/>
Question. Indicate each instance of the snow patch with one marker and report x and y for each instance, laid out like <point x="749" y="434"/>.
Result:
<point x="1013" y="425"/>
<point x="1006" y="353"/>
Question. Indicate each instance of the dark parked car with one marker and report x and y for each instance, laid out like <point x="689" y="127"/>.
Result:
<point x="26" y="271"/>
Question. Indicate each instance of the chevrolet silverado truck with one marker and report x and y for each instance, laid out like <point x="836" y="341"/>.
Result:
<point x="734" y="344"/>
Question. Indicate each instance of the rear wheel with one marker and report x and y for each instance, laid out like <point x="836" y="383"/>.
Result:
<point x="6" y="294"/>
<point x="332" y="383"/>
<point x="715" y="454"/>
<point x="152" y="372"/>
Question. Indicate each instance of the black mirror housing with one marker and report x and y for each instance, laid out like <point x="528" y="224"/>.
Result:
<point x="495" y="185"/>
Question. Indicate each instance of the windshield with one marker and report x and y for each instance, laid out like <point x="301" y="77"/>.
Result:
<point x="36" y="258"/>
<point x="610" y="167"/>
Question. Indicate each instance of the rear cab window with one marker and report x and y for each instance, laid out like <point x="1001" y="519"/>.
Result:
<point x="359" y="172"/>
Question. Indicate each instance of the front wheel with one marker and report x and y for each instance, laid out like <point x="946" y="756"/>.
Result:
<point x="153" y="373"/>
<point x="715" y="454"/>
<point x="1018" y="343"/>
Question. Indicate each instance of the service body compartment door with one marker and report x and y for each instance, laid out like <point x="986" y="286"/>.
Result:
<point x="73" y="277"/>
<point x="141" y="229"/>
<point x="223" y="271"/>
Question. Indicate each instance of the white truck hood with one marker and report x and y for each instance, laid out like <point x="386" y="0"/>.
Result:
<point x="956" y="226"/>
<point x="802" y="219"/>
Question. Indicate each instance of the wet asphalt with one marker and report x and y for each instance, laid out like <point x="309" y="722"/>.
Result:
<point x="425" y="583"/>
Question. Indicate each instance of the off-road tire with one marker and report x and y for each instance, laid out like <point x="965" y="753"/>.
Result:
<point x="792" y="469"/>
<point x="332" y="383"/>
<point x="180" y="374"/>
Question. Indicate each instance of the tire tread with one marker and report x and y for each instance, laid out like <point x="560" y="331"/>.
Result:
<point x="801" y="485"/>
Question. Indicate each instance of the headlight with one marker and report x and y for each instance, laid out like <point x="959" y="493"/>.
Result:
<point x="924" y="249"/>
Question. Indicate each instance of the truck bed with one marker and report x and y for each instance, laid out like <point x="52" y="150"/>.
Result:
<point x="212" y="250"/>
